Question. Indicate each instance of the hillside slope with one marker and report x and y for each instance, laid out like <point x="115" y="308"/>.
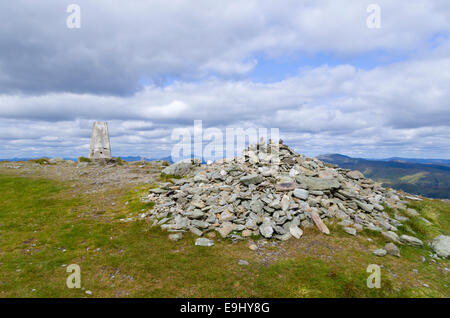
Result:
<point x="429" y="180"/>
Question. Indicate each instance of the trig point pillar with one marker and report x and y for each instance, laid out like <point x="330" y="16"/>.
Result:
<point x="100" y="146"/>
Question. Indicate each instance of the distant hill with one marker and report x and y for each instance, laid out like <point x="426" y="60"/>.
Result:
<point x="33" y="158"/>
<point x="440" y="162"/>
<point x="137" y="158"/>
<point x="127" y="158"/>
<point x="424" y="178"/>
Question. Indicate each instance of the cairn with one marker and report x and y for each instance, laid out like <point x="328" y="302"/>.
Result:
<point x="273" y="192"/>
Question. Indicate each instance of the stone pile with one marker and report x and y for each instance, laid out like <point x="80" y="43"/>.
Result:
<point x="273" y="192"/>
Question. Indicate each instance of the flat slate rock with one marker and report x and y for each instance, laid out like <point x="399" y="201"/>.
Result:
<point x="319" y="223"/>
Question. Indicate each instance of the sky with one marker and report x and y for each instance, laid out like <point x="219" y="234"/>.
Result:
<point x="313" y="69"/>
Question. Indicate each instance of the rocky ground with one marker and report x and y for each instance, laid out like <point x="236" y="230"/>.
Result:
<point x="92" y="176"/>
<point x="269" y="192"/>
<point x="274" y="192"/>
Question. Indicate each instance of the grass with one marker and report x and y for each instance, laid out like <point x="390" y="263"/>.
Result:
<point x="44" y="226"/>
<point x="167" y="177"/>
<point x="41" y="161"/>
<point x="84" y="159"/>
<point x="413" y="178"/>
<point x="120" y="161"/>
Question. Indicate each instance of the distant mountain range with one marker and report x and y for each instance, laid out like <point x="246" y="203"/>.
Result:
<point x="127" y="158"/>
<point x="427" y="177"/>
<point x="440" y="162"/>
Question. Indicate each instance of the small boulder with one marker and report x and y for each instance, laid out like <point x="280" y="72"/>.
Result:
<point x="379" y="252"/>
<point x="355" y="174"/>
<point x="392" y="249"/>
<point x="391" y="236"/>
<point x="350" y="230"/>
<point x="253" y="247"/>
<point x="441" y="245"/>
<point x="266" y="229"/>
<point x="203" y="242"/>
<point x="243" y="262"/>
<point x="175" y="237"/>
<point x="301" y="194"/>
<point x="180" y="168"/>
<point x="285" y="202"/>
<point x="319" y="223"/>
<point x="295" y="231"/>
<point x="411" y="240"/>
<point x="226" y="229"/>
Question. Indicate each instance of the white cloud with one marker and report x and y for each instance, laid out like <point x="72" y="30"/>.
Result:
<point x="397" y="108"/>
<point x="119" y="47"/>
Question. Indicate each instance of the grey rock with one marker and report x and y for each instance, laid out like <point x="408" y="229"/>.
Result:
<point x="301" y="194"/>
<point x="284" y="237"/>
<point x="319" y="223"/>
<point x="195" y="214"/>
<point x="175" y="237"/>
<point x="266" y="229"/>
<point x="200" y="224"/>
<point x="227" y="216"/>
<point x="201" y="178"/>
<point x="355" y="174"/>
<point x="385" y="225"/>
<point x="379" y="252"/>
<point x="203" y="242"/>
<point x="391" y="236"/>
<point x="392" y="249"/>
<point x="285" y="202"/>
<point x="195" y="231"/>
<point x="365" y="206"/>
<point x="374" y="228"/>
<point x="181" y="222"/>
<point x="350" y="230"/>
<point x="226" y="228"/>
<point x="411" y="240"/>
<point x="346" y="222"/>
<point x="314" y="183"/>
<point x="256" y="206"/>
<point x="295" y="231"/>
<point x="243" y="262"/>
<point x="180" y="168"/>
<point x="251" y="179"/>
<point x="441" y="245"/>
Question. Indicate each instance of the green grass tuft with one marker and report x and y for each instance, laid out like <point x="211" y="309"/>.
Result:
<point x="44" y="226"/>
<point x="84" y="159"/>
<point x="167" y="177"/>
